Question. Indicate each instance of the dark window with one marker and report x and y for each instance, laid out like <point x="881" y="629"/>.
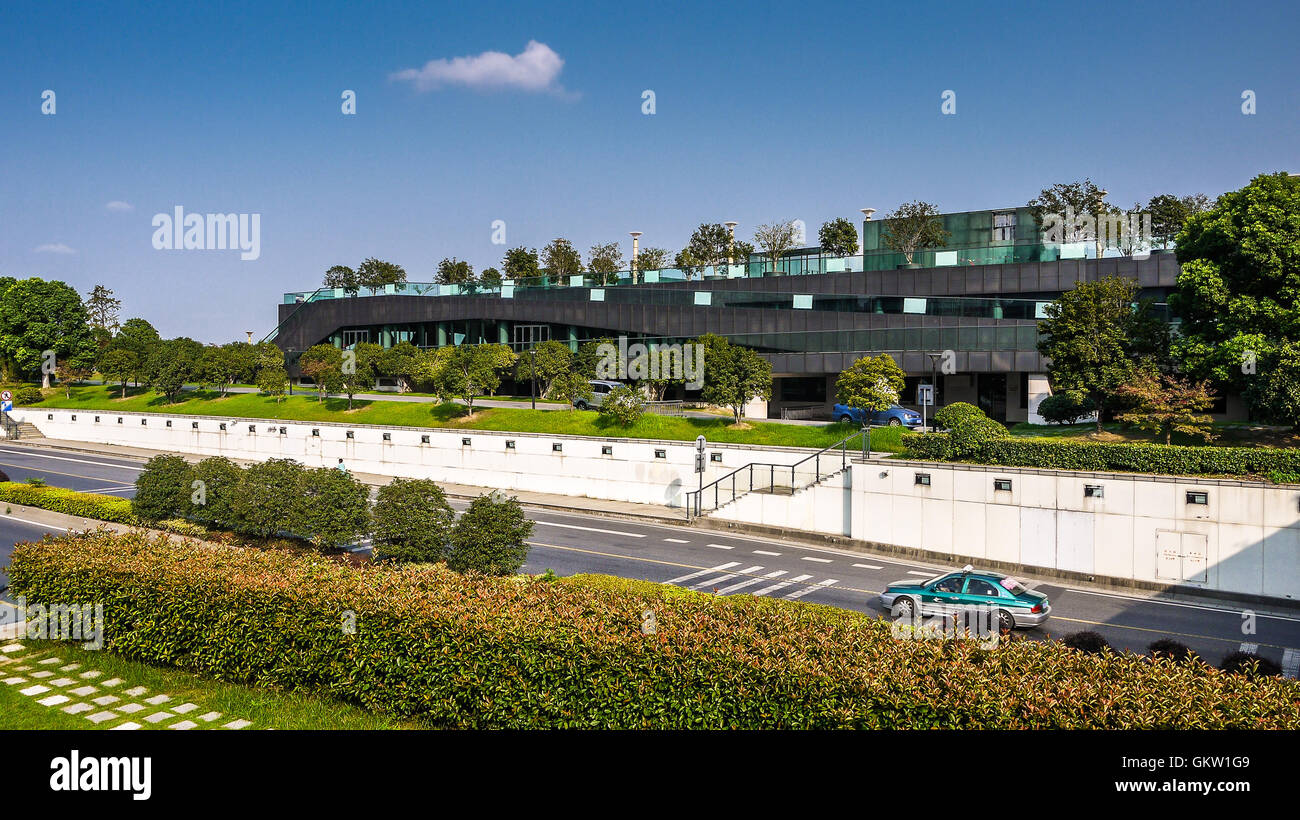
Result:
<point x="1094" y="491"/>
<point x="1004" y="227"/>
<point x="661" y="454"/>
<point x="1002" y="484"/>
<point x="1024" y="391"/>
<point x="464" y="442"/>
<point x="950" y="584"/>
<point x="315" y="431"/>
<point x="424" y="439"/>
<point x="606" y="450"/>
<point x="1198" y="498"/>
<point x="388" y="436"/>
<point x="557" y="447"/>
<point x="715" y="457"/>
<point x="510" y="444"/>
<point x="923" y="479"/>
<point x="975" y="586"/>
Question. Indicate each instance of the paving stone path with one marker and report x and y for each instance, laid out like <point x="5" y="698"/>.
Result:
<point x="105" y="703"/>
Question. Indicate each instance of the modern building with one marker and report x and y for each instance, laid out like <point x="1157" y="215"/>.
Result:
<point x="964" y="314"/>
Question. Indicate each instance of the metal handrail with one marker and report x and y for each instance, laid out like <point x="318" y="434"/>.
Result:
<point x="10" y="426"/>
<point x="695" y="498"/>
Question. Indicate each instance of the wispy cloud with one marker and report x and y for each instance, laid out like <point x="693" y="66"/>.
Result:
<point x="57" y="247"/>
<point x="119" y="206"/>
<point x="535" y="69"/>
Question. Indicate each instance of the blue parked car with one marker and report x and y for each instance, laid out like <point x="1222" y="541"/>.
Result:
<point x="895" y="416"/>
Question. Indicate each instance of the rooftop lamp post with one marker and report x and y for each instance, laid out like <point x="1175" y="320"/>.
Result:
<point x="731" y="244"/>
<point x="866" y="217"/>
<point x="636" y="235"/>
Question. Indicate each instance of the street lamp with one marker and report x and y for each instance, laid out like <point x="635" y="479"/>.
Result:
<point x="934" y="383"/>
<point x="731" y="243"/>
<point x="635" y="236"/>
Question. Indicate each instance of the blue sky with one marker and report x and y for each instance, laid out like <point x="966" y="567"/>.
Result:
<point x="764" y="111"/>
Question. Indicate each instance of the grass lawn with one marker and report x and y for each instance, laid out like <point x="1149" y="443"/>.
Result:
<point x="266" y="709"/>
<point x="419" y="414"/>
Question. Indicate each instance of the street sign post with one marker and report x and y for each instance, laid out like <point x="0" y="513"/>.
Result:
<point x="700" y="444"/>
<point x="925" y="398"/>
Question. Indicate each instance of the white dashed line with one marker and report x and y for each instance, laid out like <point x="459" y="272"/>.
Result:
<point x="799" y="593"/>
<point x="728" y="590"/>
<point x="867" y="566"/>
<point x="694" y="575"/>
<point x="782" y="585"/>
<point x="708" y="582"/>
<point x="721" y="547"/>
<point x="818" y="560"/>
<point x="765" y="552"/>
<point x="676" y="541"/>
<point x="591" y="529"/>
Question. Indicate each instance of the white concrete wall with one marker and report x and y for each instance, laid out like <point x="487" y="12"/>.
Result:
<point x="825" y="508"/>
<point x="1246" y="539"/>
<point x="632" y="472"/>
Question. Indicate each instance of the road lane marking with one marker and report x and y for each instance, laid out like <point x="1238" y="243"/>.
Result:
<point x="46" y="527"/>
<point x="867" y="566"/>
<point x="799" y="593"/>
<point x="65" y="458"/>
<point x="1252" y="648"/>
<point x="782" y="585"/>
<point x="818" y="560"/>
<point x="922" y="574"/>
<point x="708" y="582"/>
<point x="721" y="547"/>
<point x="728" y="590"/>
<point x="694" y="575"/>
<point x="591" y="529"/>
<point x="677" y="541"/>
<point x="765" y="552"/>
<point x="1136" y="599"/>
<point x="116" y="488"/>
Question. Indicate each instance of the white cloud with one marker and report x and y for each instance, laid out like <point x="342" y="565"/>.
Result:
<point x="534" y="69"/>
<point x="57" y="247"/>
<point x="119" y="205"/>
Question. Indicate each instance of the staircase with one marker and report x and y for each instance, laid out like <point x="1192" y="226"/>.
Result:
<point x="776" y="479"/>
<point x="14" y="429"/>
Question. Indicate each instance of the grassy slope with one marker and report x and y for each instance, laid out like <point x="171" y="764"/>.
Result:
<point x="267" y="709"/>
<point x="421" y="414"/>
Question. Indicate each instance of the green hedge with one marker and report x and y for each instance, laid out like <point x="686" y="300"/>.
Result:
<point x="482" y="652"/>
<point x="58" y="499"/>
<point x="1164" y="459"/>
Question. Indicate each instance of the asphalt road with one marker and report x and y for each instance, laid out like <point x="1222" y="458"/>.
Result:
<point x="733" y="564"/>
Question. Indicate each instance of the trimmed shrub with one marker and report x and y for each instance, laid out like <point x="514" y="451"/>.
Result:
<point x="490" y="537"/>
<point x="266" y="499"/>
<point x="412" y="522"/>
<point x="949" y="416"/>
<point x="333" y="508"/>
<point x="163" y="489"/>
<point x="28" y="395"/>
<point x="1250" y="665"/>
<point x="622" y="406"/>
<point x="1088" y="641"/>
<point x="470" y="651"/>
<point x="211" y="502"/>
<point x="57" y="499"/>
<point x="1163" y="459"/>
<point x="1066" y="407"/>
<point x="1173" y="650"/>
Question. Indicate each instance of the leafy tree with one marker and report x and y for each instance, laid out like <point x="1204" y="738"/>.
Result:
<point x="140" y="338"/>
<point x="270" y="380"/>
<point x="1164" y="405"/>
<point x="710" y="244"/>
<point x="605" y="260"/>
<point x="688" y="263"/>
<point x="520" y="263"/>
<point x="455" y="271"/>
<point x="838" y="237"/>
<point x="402" y="361"/>
<point x="359" y="370"/>
<point x="733" y="375"/>
<point x="870" y="384"/>
<point x="38" y="316"/>
<point x="546" y="362"/>
<point x="1196" y="203"/>
<point x="912" y="226"/>
<point x="266" y="500"/>
<point x="220" y="367"/>
<point x="1237" y="295"/>
<point x="651" y="259"/>
<point x="323" y="364"/>
<point x="570" y="387"/>
<point x="119" y="365"/>
<point x="490" y="278"/>
<point x="103" y="310"/>
<point x="333" y="508"/>
<point x="775" y="240"/>
<point x="957" y="414"/>
<point x="1168" y="213"/>
<point x="375" y="274"/>
<point x="73" y="370"/>
<point x="741" y="251"/>
<point x="471" y="370"/>
<point x="588" y="356"/>
<point x="491" y="537"/>
<point x="214" y="483"/>
<point x="1080" y="197"/>
<point x="172" y="364"/>
<point x="622" y="406"/>
<point x="561" y="260"/>
<point x="1094" y="335"/>
<point x="1064" y="407"/>
<point x="341" y="277"/>
<point x="162" y="490"/>
<point x="412" y="522"/>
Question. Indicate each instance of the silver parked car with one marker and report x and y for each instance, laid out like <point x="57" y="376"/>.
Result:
<point x="599" y="390"/>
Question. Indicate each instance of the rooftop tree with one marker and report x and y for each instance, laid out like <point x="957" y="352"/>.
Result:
<point x="838" y="237"/>
<point x="341" y="277"/>
<point x="374" y="274"/>
<point x="520" y="263"/>
<point x="561" y="260"/>
<point x="605" y="260"/>
<point x="913" y="226"/>
<point x="455" y="271"/>
<point x="775" y="240"/>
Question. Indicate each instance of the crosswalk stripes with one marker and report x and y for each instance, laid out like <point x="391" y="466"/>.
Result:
<point x="728" y="590"/>
<point x="708" y="582"/>
<point x="799" y="593"/>
<point x="782" y="585"/>
<point x="1252" y="648"/>
<point x="703" y="572"/>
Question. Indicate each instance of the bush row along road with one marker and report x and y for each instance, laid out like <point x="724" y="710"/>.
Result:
<point x="710" y="560"/>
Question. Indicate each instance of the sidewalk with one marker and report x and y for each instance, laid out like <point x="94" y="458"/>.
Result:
<point x="653" y="513"/>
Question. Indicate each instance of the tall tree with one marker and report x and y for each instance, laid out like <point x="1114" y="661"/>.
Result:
<point x="139" y="338"/>
<point x="1168" y="213"/>
<point x="561" y="260"/>
<point x="455" y="271"/>
<point x="733" y="375"/>
<point x="520" y="263"/>
<point x="870" y="383"/>
<point x="1095" y="335"/>
<point x="467" y="371"/>
<point x="775" y="240"/>
<point x="838" y="237"/>
<point x="171" y="364"/>
<point x="1238" y="293"/>
<point x="103" y="310"/>
<point x="546" y="362"/>
<point x="605" y="260"/>
<point x="688" y="263"/>
<point x="1081" y="198"/>
<point x="323" y="364"/>
<point x="341" y="277"/>
<point x="119" y="365"/>
<point x="912" y="226"/>
<point x="374" y="274"/>
<point x="1165" y="404"/>
<point x="710" y="244"/>
<point x="43" y="322"/>
<point x="651" y="259"/>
